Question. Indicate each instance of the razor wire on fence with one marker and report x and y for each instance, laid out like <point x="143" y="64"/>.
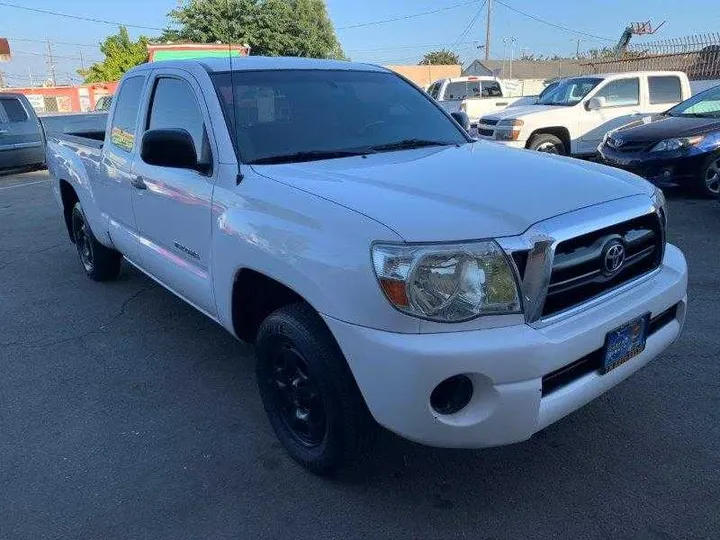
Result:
<point x="698" y="56"/>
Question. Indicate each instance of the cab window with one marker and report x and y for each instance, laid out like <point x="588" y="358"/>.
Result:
<point x="621" y="93"/>
<point x="124" y="122"/>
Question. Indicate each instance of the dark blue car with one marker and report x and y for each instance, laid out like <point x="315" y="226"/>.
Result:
<point x="680" y="147"/>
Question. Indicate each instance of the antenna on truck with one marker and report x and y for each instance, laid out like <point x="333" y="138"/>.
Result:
<point x="234" y="120"/>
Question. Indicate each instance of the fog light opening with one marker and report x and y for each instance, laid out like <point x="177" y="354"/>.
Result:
<point x="452" y="395"/>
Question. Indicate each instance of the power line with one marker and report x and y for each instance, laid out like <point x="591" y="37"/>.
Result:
<point x="473" y="20"/>
<point x="558" y="26"/>
<point x="401" y="47"/>
<point x="78" y="17"/>
<point x="404" y="17"/>
<point x="53" y="42"/>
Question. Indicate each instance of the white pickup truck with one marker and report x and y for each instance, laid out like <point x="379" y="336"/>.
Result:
<point x="388" y="268"/>
<point x="573" y="116"/>
<point x="475" y="96"/>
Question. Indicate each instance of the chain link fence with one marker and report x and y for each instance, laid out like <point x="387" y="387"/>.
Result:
<point x="698" y="56"/>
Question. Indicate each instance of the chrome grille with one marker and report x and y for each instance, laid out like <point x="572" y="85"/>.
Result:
<point x="582" y="267"/>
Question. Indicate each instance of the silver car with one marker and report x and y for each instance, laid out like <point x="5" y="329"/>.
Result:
<point x="21" y="135"/>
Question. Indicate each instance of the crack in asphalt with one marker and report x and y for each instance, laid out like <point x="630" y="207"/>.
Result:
<point x="29" y="255"/>
<point x="115" y="316"/>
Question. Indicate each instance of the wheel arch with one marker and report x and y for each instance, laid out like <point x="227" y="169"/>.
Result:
<point x="69" y="198"/>
<point x="561" y="132"/>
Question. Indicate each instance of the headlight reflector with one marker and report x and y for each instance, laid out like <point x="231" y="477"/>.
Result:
<point x="508" y="129"/>
<point x="447" y="283"/>
<point x="670" y="145"/>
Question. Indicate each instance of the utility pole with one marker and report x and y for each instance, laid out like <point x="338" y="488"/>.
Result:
<point x="487" y="30"/>
<point x="82" y="62"/>
<point x="51" y="63"/>
<point x="30" y="75"/>
<point x="577" y="50"/>
<point x="2" y="80"/>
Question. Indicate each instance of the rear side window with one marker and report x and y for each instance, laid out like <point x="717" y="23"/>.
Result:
<point x="14" y="111"/>
<point x="174" y="106"/>
<point x="462" y="90"/>
<point x="491" y="89"/>
<point x="621" y="93"/>
<point x="124" y="122"/>
<point x="664" y="89"/>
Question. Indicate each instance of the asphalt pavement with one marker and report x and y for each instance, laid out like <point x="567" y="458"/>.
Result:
<point x="126" y="414"/>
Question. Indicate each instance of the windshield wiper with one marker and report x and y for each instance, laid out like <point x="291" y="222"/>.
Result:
<point x="311" y="155"/>
<point x="410" y="143"/>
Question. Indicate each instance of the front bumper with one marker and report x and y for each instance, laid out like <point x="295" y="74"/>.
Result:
<point x="662" y="169"/>
<point x="396" y="373"/>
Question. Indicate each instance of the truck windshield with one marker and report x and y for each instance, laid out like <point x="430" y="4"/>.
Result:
<point x="301" y="115"/>
<point x="568" y="92"/>
<point x="704" y="104"/>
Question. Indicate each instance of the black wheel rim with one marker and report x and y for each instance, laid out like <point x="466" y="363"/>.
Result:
<point x="83" y="242"/>
<point x="297" y="395"/>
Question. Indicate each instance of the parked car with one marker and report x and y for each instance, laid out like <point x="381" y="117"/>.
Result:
<point x="335" y="216"/>
<point x="475" y="96"/>
<point x="574" y="116"/>
<point x="22" y="142"/>
<point x="680" y="147"/>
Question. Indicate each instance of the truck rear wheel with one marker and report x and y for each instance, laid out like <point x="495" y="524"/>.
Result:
<point x="545" y="142"/>
<point x="100" y="263"/>
<point x="308" y="391"/>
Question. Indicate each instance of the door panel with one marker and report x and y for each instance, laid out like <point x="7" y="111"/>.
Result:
<point x="112" y="186"/>
<point x="173" y="213"/>
<point x="622" y="104"/>
<point x="21" y="142"/>
<point x="173" y="205"/>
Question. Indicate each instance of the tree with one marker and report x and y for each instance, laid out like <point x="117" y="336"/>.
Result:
<point x="121" y="54"/>
<point x="441" y="57"/>
<point x="270" y="27"/>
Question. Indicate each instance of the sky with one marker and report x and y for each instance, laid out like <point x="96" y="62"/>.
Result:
<point x="456" y="24"/>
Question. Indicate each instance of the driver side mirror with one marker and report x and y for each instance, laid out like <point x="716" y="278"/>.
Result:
<point x="169" y="148"/>
<point x="462" y="119"/>
<point x="595" y="103"/>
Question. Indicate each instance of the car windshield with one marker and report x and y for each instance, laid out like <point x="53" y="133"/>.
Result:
<point x="302" y="115"/>
<point x="704" y="104"/>
<point x="568" y="92"/>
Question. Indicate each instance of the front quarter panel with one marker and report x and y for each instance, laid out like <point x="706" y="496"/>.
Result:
<point x="317" y="248"/>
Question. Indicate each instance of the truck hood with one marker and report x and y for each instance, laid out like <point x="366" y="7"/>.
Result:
<point x="473" y="191"/>
<point x="524" y="110"/>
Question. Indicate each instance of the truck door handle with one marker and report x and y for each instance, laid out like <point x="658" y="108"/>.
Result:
<point x="4" y="131"/>
<point x="138" y="183"/>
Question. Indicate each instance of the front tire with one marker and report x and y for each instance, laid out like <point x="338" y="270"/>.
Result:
<point x="547" y="143"/>
<point x="99" y="262"/>
<point x="709" y="178"/>
<point x="308" y="391"/>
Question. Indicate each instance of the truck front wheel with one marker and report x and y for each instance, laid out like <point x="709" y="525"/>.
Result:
<point x="100" y="263"/>
<point x="308" y="391"/>
<point x="545" y="142"/>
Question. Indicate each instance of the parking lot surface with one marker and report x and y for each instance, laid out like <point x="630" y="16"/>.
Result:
<point x="124" y="413"/>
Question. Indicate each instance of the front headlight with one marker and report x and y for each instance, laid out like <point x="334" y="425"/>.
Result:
<point x="660" y="202"/>
<point x="670" y="145"/>
<point x="509" y="129"/>
<point x="447" y="283"/>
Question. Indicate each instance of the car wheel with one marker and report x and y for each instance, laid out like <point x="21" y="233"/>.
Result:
<point x="100" y="263"/>
<point x="549" y="144"/>
<point x="709" y="179"/>
<point x="308" y="391"/>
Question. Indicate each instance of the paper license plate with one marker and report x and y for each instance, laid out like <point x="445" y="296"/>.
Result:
<point x="625" y="342"/>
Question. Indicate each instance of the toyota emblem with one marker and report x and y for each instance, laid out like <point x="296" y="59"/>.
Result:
<point x="614" y="257"/>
